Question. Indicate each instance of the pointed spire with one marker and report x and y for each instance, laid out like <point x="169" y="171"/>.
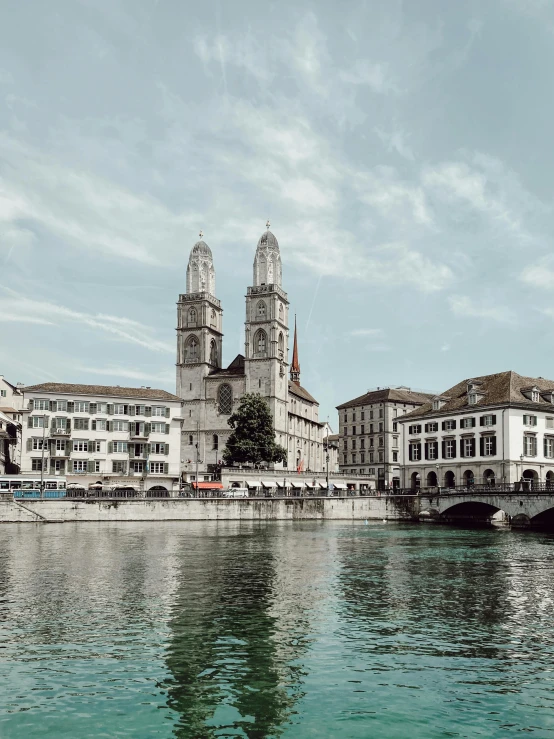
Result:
<point x="295" y="366"/>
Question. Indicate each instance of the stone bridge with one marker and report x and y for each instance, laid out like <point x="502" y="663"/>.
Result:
<point x="520" y="509"/>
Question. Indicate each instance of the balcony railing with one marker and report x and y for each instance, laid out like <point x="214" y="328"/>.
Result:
<point x="60" y="432"/>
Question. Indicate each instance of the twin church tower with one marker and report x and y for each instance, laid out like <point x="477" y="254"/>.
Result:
<point x="211" y="393"/>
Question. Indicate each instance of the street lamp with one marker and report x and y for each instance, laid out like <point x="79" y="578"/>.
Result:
<point x="437" y="473"/>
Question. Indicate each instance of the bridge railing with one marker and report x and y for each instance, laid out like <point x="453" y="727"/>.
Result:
<point x="523" y="486"/>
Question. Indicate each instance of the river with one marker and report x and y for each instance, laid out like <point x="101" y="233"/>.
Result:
<point x="296" y="630"/>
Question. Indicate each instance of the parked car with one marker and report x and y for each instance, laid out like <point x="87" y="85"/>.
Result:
<point x="236" y="493"/>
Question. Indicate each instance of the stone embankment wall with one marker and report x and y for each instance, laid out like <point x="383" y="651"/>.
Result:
<point x="249" y="509"/>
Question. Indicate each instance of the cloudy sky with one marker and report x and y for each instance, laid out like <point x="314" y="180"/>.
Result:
<point x="402" y="151"/>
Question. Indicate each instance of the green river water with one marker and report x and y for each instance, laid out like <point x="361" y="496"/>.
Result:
<point x="294" y="630"/>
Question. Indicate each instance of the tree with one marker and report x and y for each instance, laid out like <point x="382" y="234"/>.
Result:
<point x="253" y="436"/>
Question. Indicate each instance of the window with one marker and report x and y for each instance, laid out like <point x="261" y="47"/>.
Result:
<point x="488" y="446"/>
<point x="362" y="416"/>
<point x="80" y="446"/>
<point x="137" y="465"/>
<point x="380" y="413"/>
<point x="468" y="447"/>
<point x="60" y="445"/>
<point x="39" y="443"/>
<point x="81" y="406"/>
<point x="354" y="458"/>
<point x="158" y="410"/>
<point x="529" y="420"/>
<point x="41" y="405"/>
<point x="345" y="458"/>
<point x="281" y="311"/>
<point x="260" y="342"/>
<point x="281" y="344"/>
<point x="225" y="399"/>
<point x="119" y="409"/>
<point x="100" y="424"/>
<point x="362" y="443"/>
<point x="119" y="425"/>
<point x="549" y="446"/>
<point x="371" y="415"/>
<point x="36" y="422"/>
<point x="381" y="457"/>
<point x="381" y="441"/>
<point x="353" y="443"/>
<point x="489" y="420"/>
<point x="192" y="317"/>
<point x="96" y="446"/>
<point x="430" y="428"/>
<point x="191" y="350"/>
<point x="467" y="423"/>
<point x="362" y="458"/>
<point x="395" y="427"/>
<point x="432" y="450"/>
<point x="261" y="310"/>
<point x="157" y="468"/>
<point x="2" y="393"/>
<point x="191" y="440"/>
<point x="449" y="449"/>
<point x="60" y="406"/>
<point x="535" y="396"/>
<point x="36" y="465"/>
<point x="159" y="448"/>
<point x="414" y="429"/>
<point x="371" y="471"/>
<point x="119" y="467"/>
<point x="530" y="446"/>
<point x="79" y="465"/>
<point x="370" y="428"/>
<point x="215" y="441"/>
<point x="353" y="430"/>
<point x="448" y="425"/>
<point x="472" y="399"/>
<point x="101" y="407"/>
<point x="354" y="416"/>
<point x="380" y="426"/>
<point x="414" y="452"/>
<point x="81" y="424"/>
<point x="549" y="423"/>
<point x="395" y="456"/>
<point x="157" y="427"/>
<point x="395" y="441"/>
<point x="120" y="447"/>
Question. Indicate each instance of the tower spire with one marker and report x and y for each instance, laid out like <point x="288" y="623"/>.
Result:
<point x="295" y="366"/>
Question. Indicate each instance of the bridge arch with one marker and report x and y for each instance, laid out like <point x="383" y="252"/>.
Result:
<point x="473" y="512"/>
<point x="530" y="474"/>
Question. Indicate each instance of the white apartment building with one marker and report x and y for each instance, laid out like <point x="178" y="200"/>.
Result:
<point x="113" y="436"/>
<point x="11" y="405"/>
<point x="11" y="396"/>
<point x="370" y="437"/>
<point x="484" y="430"/>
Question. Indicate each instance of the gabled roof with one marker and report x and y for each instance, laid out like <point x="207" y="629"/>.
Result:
<point x="301" y="392"/>
<point x="503" y="388"/>
<point x="235" y="368"/>
<point x="395" y="395"/>
<point x="101" y="390"/>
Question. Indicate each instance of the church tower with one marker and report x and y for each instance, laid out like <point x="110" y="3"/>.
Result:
<point x="267" y="334"/>
<point x="199" y="325"/>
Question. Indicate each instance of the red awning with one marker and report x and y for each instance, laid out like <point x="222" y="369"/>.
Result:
<point x="207" y="485"/>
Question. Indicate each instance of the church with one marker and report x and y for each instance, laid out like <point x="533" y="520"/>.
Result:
<point x="211" y="393"/>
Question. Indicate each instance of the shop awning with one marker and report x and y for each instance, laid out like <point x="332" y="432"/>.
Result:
<point x="254" y="484"/>
<point x="207" y="485"/>
<point x="269" y="483"/>
<point x="340" y="485"/>
<point x="298" y="484"/>
<point x="322" y="485"/>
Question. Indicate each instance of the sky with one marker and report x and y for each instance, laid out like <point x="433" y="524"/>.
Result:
<point x="401" y="150"/>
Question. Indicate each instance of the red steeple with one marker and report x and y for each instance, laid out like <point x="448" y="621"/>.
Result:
<point x="295" y="366"/>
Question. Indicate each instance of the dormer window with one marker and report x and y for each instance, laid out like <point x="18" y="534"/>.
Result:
<point x="436" y="405"/>
<point x="531" y="393"/>
<point x="472" y="399"/>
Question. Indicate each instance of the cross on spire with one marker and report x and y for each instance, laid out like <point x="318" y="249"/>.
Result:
<point x="201" y="234"/>
<point x="268" y="224"/>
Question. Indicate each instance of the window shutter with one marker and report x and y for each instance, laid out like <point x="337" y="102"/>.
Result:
<point x="494" y="445"/>
<point x="482" y="446"/>
<point x="29" y="444"/>
<point x="443" y="449"/>
<point x="494" y="420"/>
<point x="53" y="424"/>
<point x="147" y="428"/>
<point x="482" y="421"/>
<point x="148" y="410"/>
<point x="166" y="449"/>
<point x="51" y="405"/>
<point x="167" y="428"/>
<point x="426" y="450"/>
<point x="92" y="409"/>
<point x="109" y="425"/>
<point x="93" y="425"/>
<point x="110" y="447"/>
<point x="167" y="412"/>
<point x="473" y="447"/>
<point x="426" y="428"/>
<point x="29" y="424"/>
<point x="31" y="405"/>
<point x="166" y="468"/>
<point x="110" y="409"/>
<point x="410" y="452"/>
<point x="90" y="466"/>
<point x="147" y="448"/>
<point x="131" y="410"/>
<point x="71" y="406"/>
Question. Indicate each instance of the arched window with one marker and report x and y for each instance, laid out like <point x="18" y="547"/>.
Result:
<point x="261" y="309"/>
<point x="191" y="350"/>
<point x="281" y="343"/>
<point x="280" y="311"/>
<point x="192" y="317"/>
<point x="213" y="353"/>
<point x="215" y="441"/>
<point x="213" y="318"/>
<point x="260" y="342"/>
<point x="191" y="440"/>
<point x="225" y="399"/>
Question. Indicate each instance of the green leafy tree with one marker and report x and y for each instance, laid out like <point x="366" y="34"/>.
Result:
<point x="253" y="436"/>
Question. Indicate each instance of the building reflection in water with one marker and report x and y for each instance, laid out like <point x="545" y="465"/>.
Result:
<point x="240" y="630"/>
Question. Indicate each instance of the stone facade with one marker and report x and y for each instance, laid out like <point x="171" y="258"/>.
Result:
<point x="211" y="393"/>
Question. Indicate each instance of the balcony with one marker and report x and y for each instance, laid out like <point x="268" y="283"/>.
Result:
<point x="60" y="432"/>
<point x="138" y="435"/>
<point x="60" y="453"/>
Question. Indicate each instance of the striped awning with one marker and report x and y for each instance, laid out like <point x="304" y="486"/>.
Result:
<point x="340" y="485"/>
<point x="207" y="485"/>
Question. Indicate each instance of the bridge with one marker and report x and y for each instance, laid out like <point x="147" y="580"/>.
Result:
<point x="524" y="505"/>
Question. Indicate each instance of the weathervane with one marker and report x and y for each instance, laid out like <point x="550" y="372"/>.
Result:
<point x="268" y="224"/>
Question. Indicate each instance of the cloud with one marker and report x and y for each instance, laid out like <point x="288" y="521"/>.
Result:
<point x="166" y="378"/>
<point x="539" y="275"/>
<point x="26" y="310"/>
<point x="395" y="140"/>
<point x="366" y="332"/>
<point x="467" y="307"/>
<point x="394" y="198"/>
<point x="376" y="76"/>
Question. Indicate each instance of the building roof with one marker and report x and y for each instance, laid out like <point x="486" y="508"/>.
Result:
<point x="201" y="248"/>
<point x="103" y="390"/>
<point x="236" y="368"/>
<point x="503" y="388"/>
<point x="268" y="239"/>
<point x="301" y="392"/>
<point x="332" y="439"/>
<point x="7" y="409"/>
<point x="394" y="394"/>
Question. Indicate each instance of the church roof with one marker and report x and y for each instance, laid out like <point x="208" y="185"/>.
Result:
<point x="236" y="368"/>
<point x="201" y="248"/>
<point x="268" y="239"/>
<point x="301" y="392"/>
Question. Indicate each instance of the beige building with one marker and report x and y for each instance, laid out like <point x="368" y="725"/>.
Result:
<point x="115" y="436"/>
<point x="211" y="393"/>
<point x="370" y="436"/>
